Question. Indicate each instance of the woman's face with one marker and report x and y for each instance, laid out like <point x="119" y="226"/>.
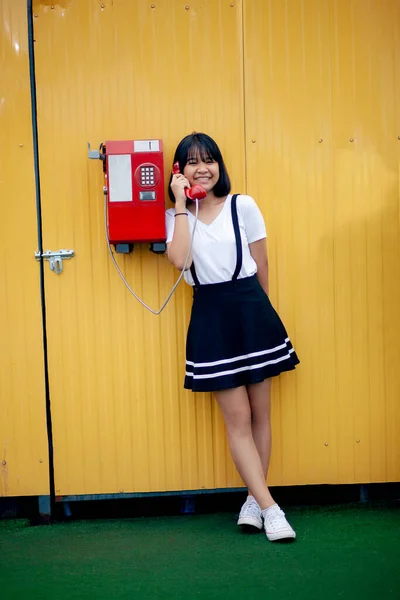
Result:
<point x="203" y="171"/>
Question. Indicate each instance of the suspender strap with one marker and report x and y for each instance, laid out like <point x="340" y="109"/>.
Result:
<point x="194" y="275"/>
<point x="239" y="252"/>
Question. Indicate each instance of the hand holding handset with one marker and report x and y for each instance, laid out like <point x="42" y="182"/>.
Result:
<point x="197" y="192"/>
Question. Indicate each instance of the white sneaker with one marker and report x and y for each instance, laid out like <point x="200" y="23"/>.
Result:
<point x="250" y="514"/>
<point x="275" y="524"/>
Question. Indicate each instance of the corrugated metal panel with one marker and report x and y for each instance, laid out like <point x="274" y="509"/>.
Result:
<point x="316" y="74"/>
<point x="125" y="70"/>
<point x="23" y="440"/>
<point x="322" y="126"/>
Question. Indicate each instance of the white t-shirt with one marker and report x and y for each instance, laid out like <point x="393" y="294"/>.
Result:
<point x="214" y="245"/>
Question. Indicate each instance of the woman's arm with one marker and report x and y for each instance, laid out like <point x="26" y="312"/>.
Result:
<point x="178" y="248"/>
<point x="258" y="251"/>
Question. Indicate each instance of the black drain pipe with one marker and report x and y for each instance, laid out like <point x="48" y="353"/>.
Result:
<point x="46" y="503"/>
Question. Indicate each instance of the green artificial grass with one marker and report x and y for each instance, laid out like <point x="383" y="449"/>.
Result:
<point x="341" y="552"/>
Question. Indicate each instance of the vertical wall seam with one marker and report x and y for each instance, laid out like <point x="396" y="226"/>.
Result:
<point x="244" y="96"/>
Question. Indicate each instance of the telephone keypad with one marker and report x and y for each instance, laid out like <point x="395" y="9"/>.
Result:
<point x="147" y="177"/>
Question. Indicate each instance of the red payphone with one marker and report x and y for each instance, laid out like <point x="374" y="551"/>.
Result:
<point x="134" y="185"/>
<point x="134" y="203"/>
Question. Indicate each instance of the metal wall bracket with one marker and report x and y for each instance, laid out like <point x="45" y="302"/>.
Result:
<point x="55" y="258"/>
<point x="94" y="154"/>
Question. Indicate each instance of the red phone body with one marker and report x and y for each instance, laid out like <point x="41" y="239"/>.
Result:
<point x="135" y="191"/>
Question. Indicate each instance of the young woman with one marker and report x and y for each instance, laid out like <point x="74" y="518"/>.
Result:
<point x="236" y="341"/>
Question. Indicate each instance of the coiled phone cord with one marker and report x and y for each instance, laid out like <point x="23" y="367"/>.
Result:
<point x="155" y="312"/>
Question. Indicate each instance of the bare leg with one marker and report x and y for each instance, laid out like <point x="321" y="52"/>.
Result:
<point x="235" y="407"/>
<point x="260" y="404"/>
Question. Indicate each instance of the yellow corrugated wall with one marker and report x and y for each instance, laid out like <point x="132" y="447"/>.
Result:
<point x="125" y="70"/>
<point x="322" y="147"/>
<point x="24" y="463"/>
<point x="303" y="98"/>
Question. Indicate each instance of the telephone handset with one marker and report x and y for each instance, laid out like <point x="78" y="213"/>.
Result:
<point x="197" y="192"/>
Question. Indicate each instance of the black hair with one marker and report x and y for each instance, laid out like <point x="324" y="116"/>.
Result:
<point x="200" y="144"/>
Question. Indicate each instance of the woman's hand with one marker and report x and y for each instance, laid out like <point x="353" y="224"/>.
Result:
<point x="178" y="185"/>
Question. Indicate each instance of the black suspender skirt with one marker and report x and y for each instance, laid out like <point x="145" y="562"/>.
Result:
<point x="235" y="336"/>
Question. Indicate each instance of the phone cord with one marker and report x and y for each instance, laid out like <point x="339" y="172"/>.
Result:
<point x="155" y="312"/>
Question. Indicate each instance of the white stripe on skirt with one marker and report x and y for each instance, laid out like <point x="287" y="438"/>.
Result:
<point x="236" y="358"/>
<point x="246" y="368"/>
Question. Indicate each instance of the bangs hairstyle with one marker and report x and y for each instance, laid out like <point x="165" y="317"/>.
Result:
<point x="201" y="145"/>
